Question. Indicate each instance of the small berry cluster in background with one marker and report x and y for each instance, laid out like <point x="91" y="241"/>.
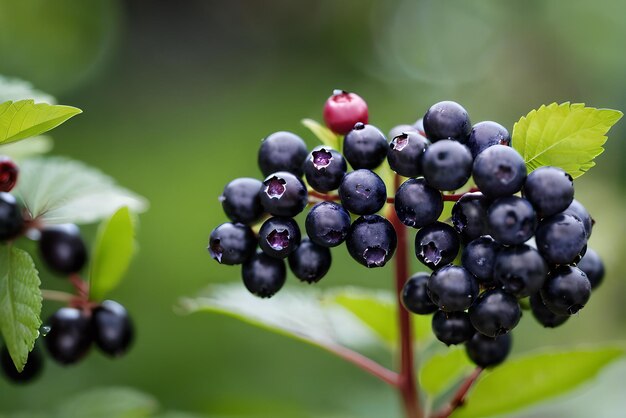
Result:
<point x="71" y="331"/>
<point x="511" y="235"/>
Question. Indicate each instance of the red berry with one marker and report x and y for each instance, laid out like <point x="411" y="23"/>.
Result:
<point x="8" y="174"/>
<point x="343" y="110"/>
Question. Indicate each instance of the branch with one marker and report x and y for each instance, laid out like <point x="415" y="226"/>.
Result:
<point x="459" y="397"/>
<point x="365" y="363"/>
<point x="57" y="295"/>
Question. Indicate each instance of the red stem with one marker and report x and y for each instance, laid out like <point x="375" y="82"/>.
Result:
<point x="388" y="376"/>
<point x="407" y="382"/>
<point x="459" y="397"/>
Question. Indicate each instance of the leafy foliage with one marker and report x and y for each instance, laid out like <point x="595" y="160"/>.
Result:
<point x="25" y="118"/>
<point x="20" y="303"/>
<point x="112" y="253"/>
<point x="568" y="135"/>
<point x="323" y="134"/>
<point x="442" y="370"/>
<point x="60" y="190"/>
<point x="532" y="378"/>
<point x="109" y="403"/>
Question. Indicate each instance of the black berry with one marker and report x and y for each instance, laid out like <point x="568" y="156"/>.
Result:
<point x="324" y="169"/>
<point x="495" y="312"/>
<point x="327" y="224"/>
<point x="452" y="327"/>
<point x="485" y="134"/>
<point x="486" y="351"/>
<point x="31" y="371"/>
<point x="499" y="171"/>
<point x="282" y="151"/>
<point x="372" y="240"/>
<point x="70" y="335"/>
<point x="436" y="245"/>
<point x="566" y="290"/>
<point x="310" y="262"/>
<point x="362" y="192"/>
<point x="577" y="209"/>
<point x="263" y="275"/>
<point x="447" y="120"/>
<point x="543" y="315"/>
<point x="405" y="153"/>
<point x="561" y="238"/>
<point x="520" y="270"/>
<point x="417" y="204"/>
<point x="591" y="264"/>
<point x="63" y="249"/>
<point x="512" y="220"/>
<point x="469" y="216"/>
<point x="452" y="288"/>
<point x="415" y="296"/>
<point x="112" y="328"/>
<point x="365" y="146"/>
<point x="279" y="237"/>
<point x="11" y="221"/>
<point x="479" y="258"/>
<point x="447" y="165"/>
<point x="241" y="200"/>
<point x="283" y="194"/>
<point x="550" y="190"/>
<point x="232" y="243"/>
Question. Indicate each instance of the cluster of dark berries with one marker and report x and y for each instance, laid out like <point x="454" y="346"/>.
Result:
<point x="70" y="331"/>
<point x="477" y="302"/>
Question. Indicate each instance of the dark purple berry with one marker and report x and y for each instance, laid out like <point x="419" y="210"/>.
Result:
<point x="566" y="290"/>
<point x="447" y="165"/>
<point x="499" y="171"/>
<point x="520" y="270"/>
<point x="436" y="245"/>
<point x="112" y="328"/>
<point x="31" y="371"/>
<point x="469" y="216"/>
<point x="324" y="169"/>
<point x="11" y="221"/>
<point x="447" y="120"/>
<point x="327" y="224"/>
<point x="486" y="351"/>
<point x="543" y="315"/>
<point x="283" y="194"/>
<point x="70" y="335"/>
<point x="561" y="238"/>
<point x="452" y="288"/>
<point x="577" y="209"/>
<point x="282" y="151"/>
<point x="495" y="313"/>
<point x="365" y="146"/>
<point x="479" y="258"/>
<point x="405" y="153"/>
<point x="232" y="243"/>
<point x="486" y="134"/>
<point x="310" y="262"/>
<point x="8" y="174"/>
<point x="362" y="192"/>
<point x="417" y="204"/>
<point x="549" y="189"/>
<point x="592" y="265"/>
<point x="241" y="200"/>
<point x="62" y="248"/>
<point x="415" y="296"/>
<point x="452" y="327"/>
<point x="263" y="275"/>
<point x="279" y="237"/>
<point x="512" y="220"/>
<point x="372" y="240"/>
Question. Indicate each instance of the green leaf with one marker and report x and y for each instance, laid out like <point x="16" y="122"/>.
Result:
<point x="377" y="309"/>
<point x="25" y="118"/>
<point x="113" y="251"/>
<point x="568" y="136"/>
<point x="305" y="315"/>
<point x="59" y="190"/>
<point x="442" y="370"/>
<point x="323" y="134"/>
<point x="116" y="402"/>
<point x="524" y="381"/>
<point x="20" y="303"/>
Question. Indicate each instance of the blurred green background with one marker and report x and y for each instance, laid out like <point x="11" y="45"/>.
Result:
<point x="176" y="97"/>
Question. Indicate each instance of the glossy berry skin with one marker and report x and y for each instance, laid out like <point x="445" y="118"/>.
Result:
<point x="327" y="224"/>
<point x="520" y="270"/>
<point x="343" y="110"/>
<point x="549" y="189"/>
<point x="401" y="129"/>
<point x="436" y="245"/>
<point x="447" y="165"/>
<point x="8" y="174"/>
<point x="11" y="221"/>
<point x="447" y="120"/>
<point x="112" y="328"/>
<point x="362" y="192"/>
<point x="282" y="151"/>
<point x="486" y="351"/>
<point x="591" y="264"/>
<point x="577" y="209"/>
<point x="324" y="169"/>
<point x="566" y="290"/>
<point x="231" y="243"/>
<point x="31" y="371"/>
<point x="279" y="237"/>
<point x="283" y="194"/>
<point x="405" y="153"/>
<point x="70" y="336"/>
<point x="310" y="262"/>
<point x="372" y="241"/>
<point x="365" y="146"/>
<point x="263" y="275"/>
<point x="452" y="288"/>
<point x="561" y="238"/>
<point x="452" y="327"/>
<point x="543" y="315"/>
<point x="486" y="134"/>
<point x="62" y="248"/>
<point x="499" y="171"/>
<point x="417" y="204"/>
<point x="479" y="258"/>
<point x="495" y="313"/>
<point x="469" y="216"/>
<point x="241" y="200"/>
<point x="512" y="220"/>
<point x="415" y="295"/>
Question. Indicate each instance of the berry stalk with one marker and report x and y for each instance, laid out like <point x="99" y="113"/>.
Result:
<point x="459" y="397"/>
<point x="407" y="384"/>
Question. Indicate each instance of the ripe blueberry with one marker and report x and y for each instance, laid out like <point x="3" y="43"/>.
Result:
<point x="549" y="189"/>
<point x="31" y="371"/>
<point x="520" y="270"/>
<point x="486" y="351"/>
<point x="495" y="313"/>
<point x="499" y="171"/>
<point x="486" y="134"/>
<point x="447" y="164"/>
<point x="362" y="192"/>
<point x="11" y="221"/>
<point x="279" y="237"/>
<point x="401" y="129"/>
<point x="372" y="240"/>
<point x="231" y="243"/>
<point x="324" y="169"/>
<point x="241" y="200"/>
<point x="566" y="290"/>
<point x="415" y="295"/>
<point x="543" y="315"/>
<point x="577" y="209"/>
<point x="592" y="265"/>
<point x="112" y="328"/>
<point x="452" y="327"/>
<point x="452" y="288"/>
<point x="479" y="257"/>
<point x="263" y="275"/>
<point x="447" y="120"/>
<point x="343" y="110"/>
<point x="310" y="262"/>
<point x="8" y="174"/>
<point x="469" y="216"/>
<point x="282" y="151"/>
<point x="417" y="204"/>
<point x="70" y="335"/>
<point x="365" y="146"/>
<point x="62" y="248"/>
<point x="436" y="245"/>
<point x="405" y="153"/>
<point x="327" y="224"/>
<point x="512" y="220"/>
<point x="561" y="238"/>
<point x="283" y="194"/>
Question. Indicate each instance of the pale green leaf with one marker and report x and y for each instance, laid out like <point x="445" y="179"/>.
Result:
<point x="112" y="253"/>
<point x="59" y="190"/>
<point x="305" y="315"/>
<point x="35" y="146"/>
<point x="568" y="136"/>
<point x="25" y="118"/>
<point x="323" y="134"/>
<point x="116" y="402"/>
<point x="444" y="369"/>
<point x="522" y="382"/>
<point x="16" y="89"/>
<point x="20" y="303"/>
